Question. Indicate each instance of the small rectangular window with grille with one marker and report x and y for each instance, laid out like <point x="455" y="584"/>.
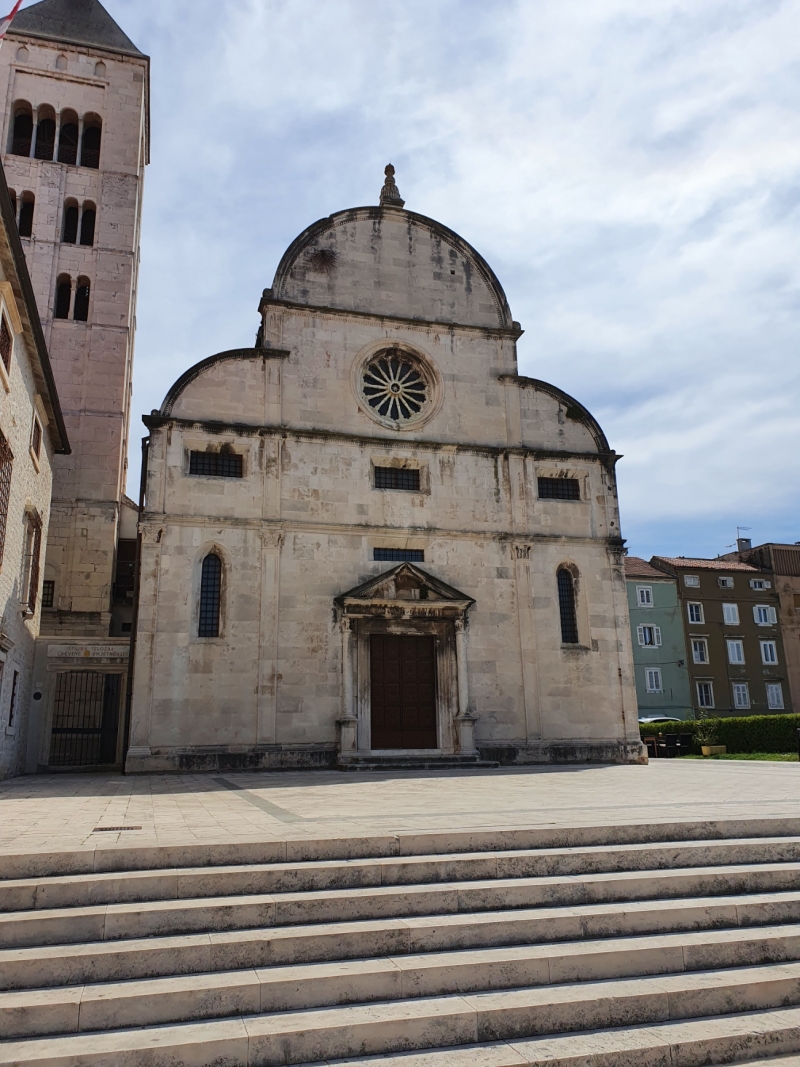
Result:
<point x="397" y="478"/>
<point x="399" y="555"/>
<point x="6" y="343"/>
<point x="216" y="464"/>
<point x="48" y="593"/>
<point x="36" y="438"/>
<point x="6" y="463"/>
<point x="559" y="489"/>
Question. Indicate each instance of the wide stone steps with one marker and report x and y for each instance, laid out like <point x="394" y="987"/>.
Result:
<point x="172" y="883"/>
<point x="620" y="1016"/>
<point x="583" y="946"/>
<point x="112" y="922"/>
<point x="74" y="963"/>
<point x="155" y="1001"/>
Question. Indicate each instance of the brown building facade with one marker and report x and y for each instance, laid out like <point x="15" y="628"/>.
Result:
<point x="731" y="614"/>
<point x="783" y="564"/>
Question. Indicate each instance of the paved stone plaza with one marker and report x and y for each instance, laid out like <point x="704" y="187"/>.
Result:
<point x="70" y="811"/>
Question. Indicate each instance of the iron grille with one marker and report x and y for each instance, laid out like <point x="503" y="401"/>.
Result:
<point x="36" y="551"/>
<point x="85" y="719"/>
<point x="48" y="594"/>
<point x="216" y="464"/>
<point x="559" y="489"/>
<point x="210" y="589"/>
<point x="396" y="478"/>
<point x="566" y="605"/>
<point x="5" y="343"/>
<point x="399" y="555"/>
<point x="6" y="464"/>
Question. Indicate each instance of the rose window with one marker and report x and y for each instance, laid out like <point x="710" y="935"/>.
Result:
<point x="395" y="387"/>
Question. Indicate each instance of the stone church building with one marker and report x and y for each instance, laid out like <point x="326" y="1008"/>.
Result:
<point x="369" y="540"/>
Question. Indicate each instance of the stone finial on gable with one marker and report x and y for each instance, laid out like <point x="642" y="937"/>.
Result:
<point x="390" y="194"/>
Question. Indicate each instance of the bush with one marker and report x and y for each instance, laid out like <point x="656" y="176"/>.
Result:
<point x="747" y="733"/>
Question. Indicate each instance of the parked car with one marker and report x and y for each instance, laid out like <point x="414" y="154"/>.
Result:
<point x="651" y="720"/>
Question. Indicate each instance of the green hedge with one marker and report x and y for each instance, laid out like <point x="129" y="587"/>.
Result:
<point x="751" y="733"/>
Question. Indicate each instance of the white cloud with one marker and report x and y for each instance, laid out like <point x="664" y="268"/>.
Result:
<point x="631" y="171"/>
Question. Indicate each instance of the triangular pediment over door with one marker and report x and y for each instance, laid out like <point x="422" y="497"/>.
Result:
<point x="403" y="591"/>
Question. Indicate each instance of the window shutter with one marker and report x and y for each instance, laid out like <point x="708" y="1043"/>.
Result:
<point x="658" y="634"/>
<point x="773" y="615"/>
<point x="640" y="632"/>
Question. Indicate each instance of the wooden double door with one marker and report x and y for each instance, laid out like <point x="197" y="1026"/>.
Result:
<point x="403" y="691"/>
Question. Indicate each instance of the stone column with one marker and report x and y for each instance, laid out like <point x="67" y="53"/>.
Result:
<point x="348" y="724"/>
<point x="465" y="723"/>
<point x="35" y="133"/>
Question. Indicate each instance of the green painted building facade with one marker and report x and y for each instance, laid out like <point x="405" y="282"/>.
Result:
<point x="659" y="642"/>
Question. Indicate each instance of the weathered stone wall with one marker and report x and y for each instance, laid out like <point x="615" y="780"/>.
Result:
<point x="30" y="491"/>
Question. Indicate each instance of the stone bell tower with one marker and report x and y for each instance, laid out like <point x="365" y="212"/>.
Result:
<point x="75" y="146"/>
<point x="76" y="132"/>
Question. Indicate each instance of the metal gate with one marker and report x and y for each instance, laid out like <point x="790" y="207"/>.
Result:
<point x="85" y="719"/>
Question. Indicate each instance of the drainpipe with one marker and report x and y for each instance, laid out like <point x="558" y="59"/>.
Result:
<point x="135" y="617"/>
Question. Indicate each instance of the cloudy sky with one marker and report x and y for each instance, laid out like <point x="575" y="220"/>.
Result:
<point x="631" y="171"/>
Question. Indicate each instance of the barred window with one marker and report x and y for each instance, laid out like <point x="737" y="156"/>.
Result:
<point x="6" y="464"/>
<point x="36" y="438"/>
<point x="216" y="464"/>
<point x="396" y="478"/>
<point x="12" y="706"/>
<point x="48" y="593"/>
<point x="210" y="594"/>
<point x="33" y="552"/>
<point x="566" y="605"/>
<point x="559" y="489"/>
<point x="399" y="555"/>
<point x="6" y="343"/>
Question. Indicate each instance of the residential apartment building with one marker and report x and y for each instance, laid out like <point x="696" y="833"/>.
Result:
<point x="736" y="659"/>
<point x="659" y="644"/>
<point x="75" y="144"/>
<point x="32" y="432"/>
<point x="782" y="564"/>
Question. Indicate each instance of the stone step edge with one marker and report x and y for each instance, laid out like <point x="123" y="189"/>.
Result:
<point x="338" y="866"/>
<point x="74" y="1009"/>
<point x="96" y="858"/>
<point x="156" y="956"/>
<point x="256" y="1040"/>
<point x="133" y="920"/>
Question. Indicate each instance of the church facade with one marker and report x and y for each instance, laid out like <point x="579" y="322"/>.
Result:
<point x="368" y="539"/>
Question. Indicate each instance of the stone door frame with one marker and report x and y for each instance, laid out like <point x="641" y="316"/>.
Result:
<point x="375" y="608"/>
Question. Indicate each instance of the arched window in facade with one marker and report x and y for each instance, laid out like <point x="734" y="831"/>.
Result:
<point x="100" y="69"/>
<point x="26" y="215"/>
<point x="45" y="135"/>
<point x="68" y="139"/>
<point x="71" y="212"/>
<point x="63" y="297"/>
<point x="88" y="221"/>
<point x="210" y="596"/>
<point x="22" y="137"/>
<point x="82" y="294"/>
<point x="566" y="607"/>
<point x="90" y="147"/>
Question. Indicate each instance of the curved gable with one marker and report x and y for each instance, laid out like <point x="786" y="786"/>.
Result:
<point x="385" y="261"/>
<point x="228" y="387"/>
<point x="544" y="406"/>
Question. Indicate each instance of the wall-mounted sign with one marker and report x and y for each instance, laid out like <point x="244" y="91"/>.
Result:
<point x="87" y="651"/>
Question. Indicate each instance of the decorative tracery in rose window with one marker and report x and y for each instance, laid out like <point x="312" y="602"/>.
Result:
<point x="394" y="386"/>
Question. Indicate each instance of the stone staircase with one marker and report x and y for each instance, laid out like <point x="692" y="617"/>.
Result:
<point x="631" y="946"/>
